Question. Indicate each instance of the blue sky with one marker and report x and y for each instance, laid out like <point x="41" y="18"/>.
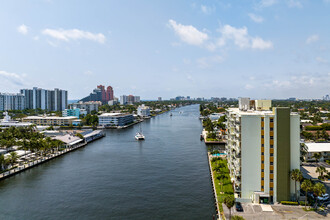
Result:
<point x="257" y="48"/>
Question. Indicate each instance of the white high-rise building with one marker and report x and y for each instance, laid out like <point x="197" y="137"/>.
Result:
<point x="52" y="100"/>
<point x="263" y="147"/>
<point x="9" y="101"/>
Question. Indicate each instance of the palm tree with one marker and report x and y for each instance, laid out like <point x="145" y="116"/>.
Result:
<point x="229" y="202"/>
<point x="2" y="162"/>
<point x="317" y="156"/>
<point x="319" y="190"/>
<point x="296" y="176"/>
<point x="12" y="158"/>
<point x="321" y="170"/>
<point x="307" y="186"/>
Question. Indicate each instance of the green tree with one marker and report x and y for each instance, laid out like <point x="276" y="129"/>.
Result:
<point x="319" y="190"/>
<point x="2" y="162"/>
<point x="296" y="175"/>
<point x="307" y="186"/>
<point x="317" y="134"/>
<point x="229" y="202"/>
<point x="317" y="156"/>
<point x="321" y="171"/>
<point x="80" y="136"/>
<point x="325" y="134"/>
<point x="12" y="158"/>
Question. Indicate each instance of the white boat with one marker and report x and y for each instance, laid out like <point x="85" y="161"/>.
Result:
<point x="139" y="136"/>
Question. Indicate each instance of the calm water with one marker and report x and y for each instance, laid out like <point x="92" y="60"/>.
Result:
<point x="164" y="177"/>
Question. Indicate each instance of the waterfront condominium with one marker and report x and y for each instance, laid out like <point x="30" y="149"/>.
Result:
<point x="9" y="101"/>
<point x="131" y="99"/>
<point x="100" y="94"/>
<point x="52" y="100"/>
<point x="115" y="119"/>
<point x="263" y="147"/>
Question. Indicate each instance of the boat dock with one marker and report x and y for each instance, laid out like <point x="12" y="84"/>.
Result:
<point x="89" y="137"/>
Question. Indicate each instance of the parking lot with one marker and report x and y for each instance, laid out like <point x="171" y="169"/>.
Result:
<point x="255" y="212"/>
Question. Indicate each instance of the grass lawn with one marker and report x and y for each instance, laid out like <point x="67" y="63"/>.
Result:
<point x="223" y="185"/>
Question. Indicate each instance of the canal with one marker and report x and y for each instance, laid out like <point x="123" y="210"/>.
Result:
<point x="164" y="177"/>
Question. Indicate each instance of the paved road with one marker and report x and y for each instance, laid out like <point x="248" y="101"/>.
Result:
<point x="254" y="212"/>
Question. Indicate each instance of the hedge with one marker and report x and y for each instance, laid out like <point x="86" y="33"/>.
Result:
<point x="289" y="203"/>
<point x="325" y="126"/>
<point x="302" y="203"/>
<point x="313" y="128"/>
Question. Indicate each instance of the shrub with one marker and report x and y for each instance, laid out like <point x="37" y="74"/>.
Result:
<point x="237" y="217"/>
<point x="215" y="159"/>
<point x="326" y="126"/>
<point x="313" y="128"/>
<point x="302" y="203"/>
<point x="289" y="203"/>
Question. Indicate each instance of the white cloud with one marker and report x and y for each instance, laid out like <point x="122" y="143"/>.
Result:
<point x="206" y="9"/>
<point x="206" y="62"/>
<point x="189" y="77"/>
<point x="256" y="18"/>
<point x="312" y="38"/>
<point x="238" y="35"/>
<point x="12" y="78"/>
<point x="267" y="3"/>
<point x="242" y="39"/>
<point x="51" y="43"/>
<point x="321" y="60"/>
<point x="249" y="86"/>
<point x="258" y="43"/>
<point x="74" y="34"/>
<point x="188" y="33"/>
<point x="186" y="61"/>
<point x="281" y="84"/>
<point x="294" y="4"/>
<point x="88" y="73"/>
<point x="23" y="29"/>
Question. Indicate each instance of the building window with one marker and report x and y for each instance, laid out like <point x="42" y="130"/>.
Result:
<point x="262" y="162"/>
<point x="271" y="120"/>
<point x="262" y="145"/>
<point x="271" y="163"/>
<point x="262" y="187"/>
<point x="262" y="170"/>
<point x="262" y="136"/>
<point x="271" y="146"/>
<point x="262" y="119"/>
<point x="262" y="178"/>
<point x="262" y="153"/>
<point x="262" y="128"/>
<point x="271" y="129"/>
<point x="271" y="180"/>
<point x="271" y="137"/>
<point x="271" y="171"/>
<point x="271" y="188"/>
<point x="271" y="154"/>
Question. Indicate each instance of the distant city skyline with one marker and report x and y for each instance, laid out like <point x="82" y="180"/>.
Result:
<point x="260" y="48"/>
